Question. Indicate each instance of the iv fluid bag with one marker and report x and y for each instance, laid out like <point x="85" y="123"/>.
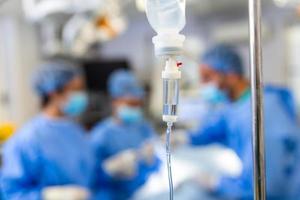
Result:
<point x="166" y="16"/>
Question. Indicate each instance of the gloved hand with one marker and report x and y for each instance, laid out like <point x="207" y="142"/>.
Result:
<point x="147" y="154"/>
<point x="65" y="193"/>
<point x="178" y="138"/>
<point x="122" y="165"/>
<point x="208" y="181"/>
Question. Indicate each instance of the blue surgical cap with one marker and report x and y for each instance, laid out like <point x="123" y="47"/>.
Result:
<point x="224" y="59"/>
<point x="53" y="76"/>
<point x="123" y="83"/>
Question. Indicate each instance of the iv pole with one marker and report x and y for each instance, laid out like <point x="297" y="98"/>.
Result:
<point x="258" y="144"/>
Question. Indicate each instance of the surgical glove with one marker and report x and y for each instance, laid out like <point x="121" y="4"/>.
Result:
<point x="123" y="165"/>
<point x="178" y="138"/>
<point x="65" y="193"/>
<point x="146" y="153"/>
<point x="208" y="181"/>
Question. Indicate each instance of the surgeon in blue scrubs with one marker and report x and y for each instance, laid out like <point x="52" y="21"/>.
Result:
<point x="51" y="149"/>
<point x="123" y="143"/>
<point x="222" y="73"/>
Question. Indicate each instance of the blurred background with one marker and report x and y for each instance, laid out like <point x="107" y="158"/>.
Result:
<point x="106" y="35"/>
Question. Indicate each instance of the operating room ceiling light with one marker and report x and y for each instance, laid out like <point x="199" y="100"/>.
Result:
<point x="140" y="5"/>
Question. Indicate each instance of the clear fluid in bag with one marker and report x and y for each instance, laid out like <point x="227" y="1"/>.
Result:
<point x="166" y="16"/>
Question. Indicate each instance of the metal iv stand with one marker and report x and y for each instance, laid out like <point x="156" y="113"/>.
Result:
<point x="258" y="144"/>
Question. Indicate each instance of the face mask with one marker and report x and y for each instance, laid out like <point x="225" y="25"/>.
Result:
<point x="211" y="94"/>
<point x="76" y="104"/>
<point x="130" y="115"/>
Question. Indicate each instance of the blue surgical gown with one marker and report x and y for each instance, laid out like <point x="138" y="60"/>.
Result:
<point x="110" y="138"/>
<point x="287" y="99"/>
<point x="231" y="127"/>
<point x="46" y="152"/>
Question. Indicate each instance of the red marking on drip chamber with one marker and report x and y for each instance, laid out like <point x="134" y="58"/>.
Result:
<point x="179" y="64"/>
